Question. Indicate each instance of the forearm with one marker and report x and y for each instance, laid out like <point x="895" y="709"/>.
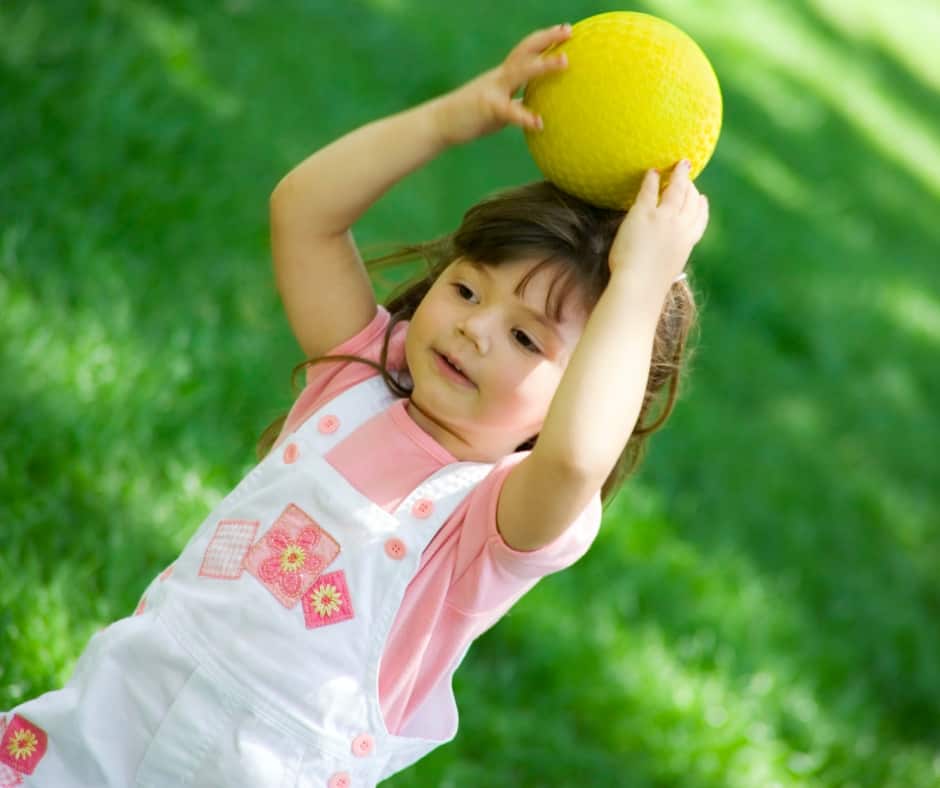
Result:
<point x="328" y="191"/>
<point x="598" y="401"/>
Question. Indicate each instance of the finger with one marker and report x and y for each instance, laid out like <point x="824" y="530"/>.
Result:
<point x="519" y="115"/>
<point x="522" y="73"/>
<point x="540" y="40"/>
<point x="520" y="69"/>
<point x="679" y="182"/>
<point x="648" y="196"/>
<point x="690" y="203"/>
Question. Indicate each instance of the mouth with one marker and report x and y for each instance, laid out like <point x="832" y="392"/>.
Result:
<point x="452" y="371"/>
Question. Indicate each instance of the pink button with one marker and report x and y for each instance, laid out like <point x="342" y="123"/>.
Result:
<point x="395" y="548"/>
<point x="290" y="453"/>
<point x="328" y="424"/>
<point x="362" y="745"/>
<point x="422" y="508"/>
<point x="339" y="780"/>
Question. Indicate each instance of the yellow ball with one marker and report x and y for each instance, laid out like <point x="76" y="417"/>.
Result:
<point x="637" y="93"/>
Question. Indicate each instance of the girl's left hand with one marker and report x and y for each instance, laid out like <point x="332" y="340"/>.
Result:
<point x="656" y="237"/>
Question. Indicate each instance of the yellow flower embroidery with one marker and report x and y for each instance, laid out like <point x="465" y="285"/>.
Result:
<point x="293" y="558"/>
<point x="326" y="600"/>
<point x="22" y="744"/>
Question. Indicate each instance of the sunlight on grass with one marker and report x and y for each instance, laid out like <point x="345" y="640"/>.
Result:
<point x="82" y="361"/>
<point x="710" y="658"/>
<point x="767" y="172"/>
<point x="689" y="696"/>
<point x="908" y="31"/>
<point x="798" y="413"/>
<point x="735" y="740"/>
<point x="177" y="45"/>
<point x="770" y="38"/>
<point x="917" y="311"/>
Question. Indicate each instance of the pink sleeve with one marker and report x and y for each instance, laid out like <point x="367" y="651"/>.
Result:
<point x="489" y="573"/>
<point x="328" y="378"/>
<point x="368" y="340"/>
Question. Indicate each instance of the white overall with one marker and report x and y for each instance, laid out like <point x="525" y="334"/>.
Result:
<point x="254" y="660"/>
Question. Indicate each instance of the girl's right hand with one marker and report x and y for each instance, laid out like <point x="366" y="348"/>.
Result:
<point x="656" y="237"/>
<point x="486" y="104"/>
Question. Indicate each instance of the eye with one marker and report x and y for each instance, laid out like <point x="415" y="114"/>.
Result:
<point x="526" y="342"/>
<point x="461" y="289"/>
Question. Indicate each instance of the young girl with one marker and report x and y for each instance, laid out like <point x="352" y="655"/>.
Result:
<point x="448" y="451"/>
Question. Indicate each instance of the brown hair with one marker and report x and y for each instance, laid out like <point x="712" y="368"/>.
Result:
<point x="539" y="220"/>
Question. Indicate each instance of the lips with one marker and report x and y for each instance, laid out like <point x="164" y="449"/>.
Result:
<point x="451" y="367"/>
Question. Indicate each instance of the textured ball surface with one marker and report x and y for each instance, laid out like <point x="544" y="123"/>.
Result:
<point x="637" y="93"/>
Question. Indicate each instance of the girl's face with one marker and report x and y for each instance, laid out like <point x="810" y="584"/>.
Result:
<point x="511" y="353"/>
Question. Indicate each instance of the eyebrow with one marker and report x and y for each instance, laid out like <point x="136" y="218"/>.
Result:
<point x="541" y="317"/>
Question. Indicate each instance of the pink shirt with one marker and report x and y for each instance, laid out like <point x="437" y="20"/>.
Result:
<point x="468" y="576"/>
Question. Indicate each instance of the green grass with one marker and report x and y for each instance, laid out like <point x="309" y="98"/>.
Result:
<point x="760" y="608"/>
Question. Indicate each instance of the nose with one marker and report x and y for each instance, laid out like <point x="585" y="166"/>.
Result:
<point x="477" y="329"/>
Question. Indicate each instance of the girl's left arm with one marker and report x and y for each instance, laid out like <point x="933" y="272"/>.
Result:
<point x="595" y="408"/>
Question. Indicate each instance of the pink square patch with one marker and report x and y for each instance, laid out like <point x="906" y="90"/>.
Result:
<point x="8" y="777"/>
<point x="23" y="745"/>
<point x="227" y="549"/>
<point x="291" y="555"/>
<point x="327" y="601"/>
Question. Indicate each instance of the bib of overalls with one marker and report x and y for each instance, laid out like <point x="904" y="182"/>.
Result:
<point x="254" y="659"/>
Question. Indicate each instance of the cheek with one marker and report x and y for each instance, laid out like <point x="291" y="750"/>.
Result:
<point x="423" y="328"/>
<point x="428" y="314"/>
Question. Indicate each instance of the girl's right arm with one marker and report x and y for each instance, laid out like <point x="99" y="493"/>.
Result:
<point x="319" y="271"/>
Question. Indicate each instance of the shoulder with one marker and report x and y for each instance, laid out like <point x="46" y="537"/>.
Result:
<point x="579" y="528"/>
<point x="489" y="575"/>
<point x="328" y="379"/>
<point x="479" y="527"/>
<point x="368" y="344"/>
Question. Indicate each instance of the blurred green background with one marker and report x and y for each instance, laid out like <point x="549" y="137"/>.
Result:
<point x="761" y="607"/>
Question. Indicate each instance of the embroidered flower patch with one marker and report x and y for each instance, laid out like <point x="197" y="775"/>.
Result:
<point x="227" y="549"/>
<point x="8" y="777"/>
<point x="327" y="601"/>
<point x="23" y="745"/>
<point x="290" y="556"/>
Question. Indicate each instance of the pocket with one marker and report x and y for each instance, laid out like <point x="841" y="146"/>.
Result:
<point x="186" y="736"/>
<point x="249" y="754"/>
<point x="209" y="740"/>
